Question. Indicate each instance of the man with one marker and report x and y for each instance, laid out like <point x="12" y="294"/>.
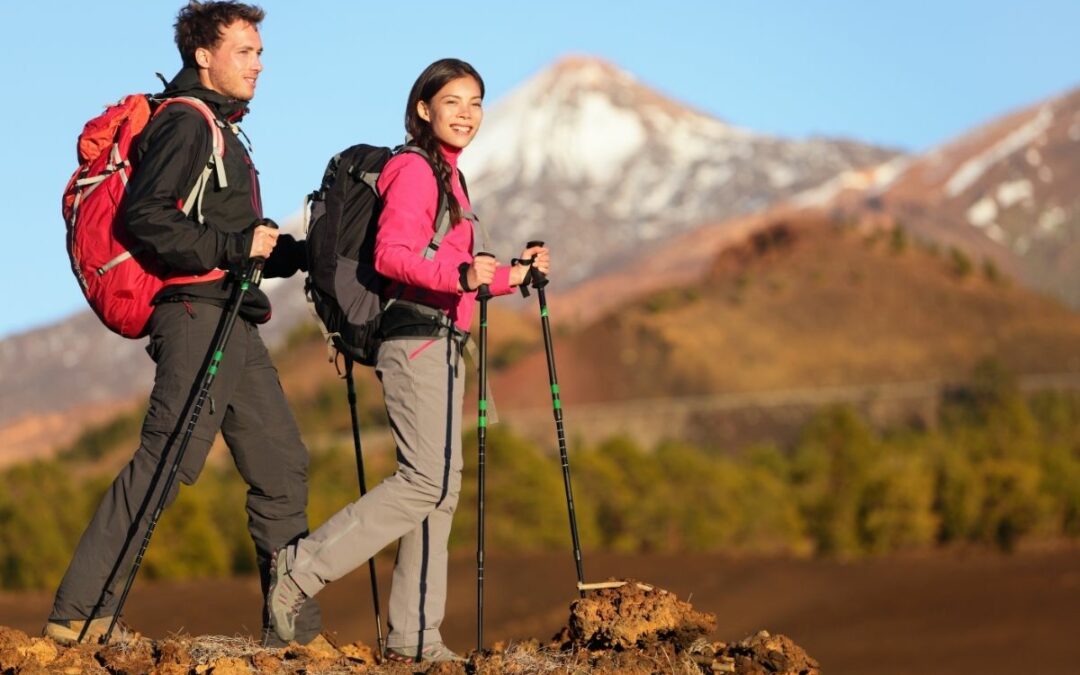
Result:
<point x="220" y="46"/>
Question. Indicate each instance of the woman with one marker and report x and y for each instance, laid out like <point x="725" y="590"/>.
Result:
<point x="420" y="366"/>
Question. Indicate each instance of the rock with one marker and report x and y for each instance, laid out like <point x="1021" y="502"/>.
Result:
<point x="767" y="654"/>
<point x="42" y="651"/>
<point x="318" y="657"/>
<point x="446" y="669"/>
<point x="77" y="661"/>
<point x="230" y="665"/>
<point x="129" y="658"/>
<point x="174" y="657"/>
<point x="266" y="662"/>
<point x="322" y="647"/>
<point x="635" y="614"/>
<point x="358" y="651"/>
<point x="12" y="648"/>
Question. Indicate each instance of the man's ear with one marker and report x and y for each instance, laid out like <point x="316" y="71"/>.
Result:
<point x="202" y="57"/>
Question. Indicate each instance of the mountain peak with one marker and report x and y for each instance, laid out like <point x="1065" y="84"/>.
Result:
<point x="578" y="75"/>
<point x="582" y="118"/>
<point x="588" y="70"/>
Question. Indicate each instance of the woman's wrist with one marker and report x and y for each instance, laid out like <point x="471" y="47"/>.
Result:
<point x="463" y="278"/>
<point x="518" y="272"/>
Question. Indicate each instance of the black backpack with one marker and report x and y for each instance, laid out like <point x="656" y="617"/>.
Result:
<point x="341" y="218"/>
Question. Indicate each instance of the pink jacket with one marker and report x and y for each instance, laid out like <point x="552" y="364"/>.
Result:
<point x="406" y="225"/>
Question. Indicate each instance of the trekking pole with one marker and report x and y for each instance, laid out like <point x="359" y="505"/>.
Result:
<point x="251" y="277"/>
<point x="351" y="383"/>
<point x="539" y="280"/>
<point x="483" y="294"/>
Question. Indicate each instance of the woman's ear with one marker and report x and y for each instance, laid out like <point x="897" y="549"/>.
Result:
<point x="423" y="111"/>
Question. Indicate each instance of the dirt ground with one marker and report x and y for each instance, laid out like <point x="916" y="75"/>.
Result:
<point x="933" y="614"/>
<point x="620" y="627"/>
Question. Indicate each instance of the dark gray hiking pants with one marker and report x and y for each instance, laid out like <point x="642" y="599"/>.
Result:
<point x="423" y="387"/>
<point x="248" y="406"/>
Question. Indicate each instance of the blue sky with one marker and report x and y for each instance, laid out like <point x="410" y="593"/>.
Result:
<point x="909" y="75"/>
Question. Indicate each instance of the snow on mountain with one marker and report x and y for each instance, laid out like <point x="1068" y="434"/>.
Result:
<point x="589" y="159"/>
<point x="1024" y="136"/>
<point x="1005" y="191"/>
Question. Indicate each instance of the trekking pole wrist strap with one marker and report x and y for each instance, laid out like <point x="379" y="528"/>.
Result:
<point x="527" y="279"/>
<point x="463" y="277"/>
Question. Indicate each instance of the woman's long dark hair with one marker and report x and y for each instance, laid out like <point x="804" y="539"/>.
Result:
<point x="434" y="78"/>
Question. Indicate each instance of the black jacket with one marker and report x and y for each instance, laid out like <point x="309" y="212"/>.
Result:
<point x="172" y="152"/>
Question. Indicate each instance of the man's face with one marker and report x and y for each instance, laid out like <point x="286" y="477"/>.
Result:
<point x="232" y="67"/>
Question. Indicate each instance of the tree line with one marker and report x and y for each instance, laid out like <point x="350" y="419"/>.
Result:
<point x="996" y="468"/>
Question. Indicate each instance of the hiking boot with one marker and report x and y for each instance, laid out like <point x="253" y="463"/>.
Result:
<point x="434" y="653"/>
<point x="284" y="599"/>
<point x="67" y="632"/>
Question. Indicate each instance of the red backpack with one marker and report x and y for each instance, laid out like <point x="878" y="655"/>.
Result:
<point x="118" y="279"/>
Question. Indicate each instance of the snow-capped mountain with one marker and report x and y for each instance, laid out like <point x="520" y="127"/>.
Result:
<point x="1006" y="191"/>
<point x="589" y="159"/>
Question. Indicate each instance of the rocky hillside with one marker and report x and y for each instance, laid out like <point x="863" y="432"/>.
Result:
<point x="1006" y="190"/>
<point x="805" y="302"/>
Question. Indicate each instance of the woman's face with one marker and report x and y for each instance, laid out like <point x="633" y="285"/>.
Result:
<point x="455" y="111"/>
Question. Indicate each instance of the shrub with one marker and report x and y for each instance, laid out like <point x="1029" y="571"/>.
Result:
<point x="959" y="263"/>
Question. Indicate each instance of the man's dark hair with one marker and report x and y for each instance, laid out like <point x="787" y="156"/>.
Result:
<point x="200" y="24"/>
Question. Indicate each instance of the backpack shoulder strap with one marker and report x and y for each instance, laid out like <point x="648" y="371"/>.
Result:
<point x="214" y="166"/>
<point x="442" y="222"/>
<point x="464" y="184"/>
<point x="471" y="216"/>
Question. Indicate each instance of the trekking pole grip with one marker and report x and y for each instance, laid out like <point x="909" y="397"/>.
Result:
<point x="536" y="277"/>
<point x="483" y="293"/>
<point x="253" y="274"/>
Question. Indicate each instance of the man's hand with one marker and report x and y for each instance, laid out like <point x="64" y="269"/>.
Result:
<point x="263" y="241"/>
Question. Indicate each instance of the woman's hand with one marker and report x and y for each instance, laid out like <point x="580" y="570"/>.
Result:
<point x="480" y="272"/>
<point x="541" y="261"/>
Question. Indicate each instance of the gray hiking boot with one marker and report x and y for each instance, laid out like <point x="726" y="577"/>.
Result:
<point x="284" y="599"/>
<point x="434" y="653"/>
<point x="67" y="632"/>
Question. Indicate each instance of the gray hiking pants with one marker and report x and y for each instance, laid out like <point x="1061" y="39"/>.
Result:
<point x="247" y="404"/>
<point x="423" y="387"/>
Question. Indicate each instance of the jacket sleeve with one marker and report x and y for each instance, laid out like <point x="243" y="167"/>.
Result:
<point x="501" y="284"/>
<point x="410" y="197"/>
<point x="288" y="257"/>
<point x="172" y="153"/>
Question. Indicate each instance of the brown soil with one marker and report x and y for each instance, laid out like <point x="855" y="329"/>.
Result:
<point x="942" y="613"/>
<point x="630" y="627"/>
